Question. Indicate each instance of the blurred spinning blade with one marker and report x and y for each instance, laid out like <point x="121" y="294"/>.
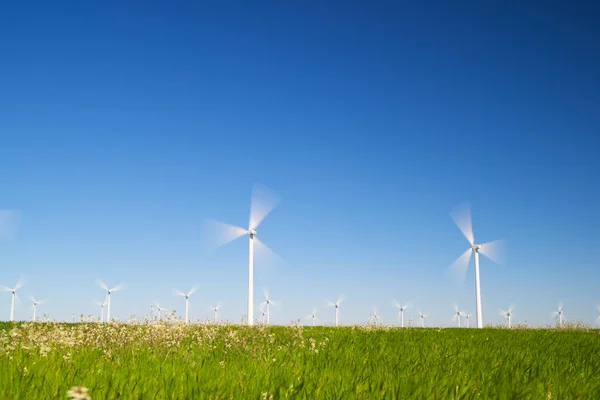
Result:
<point x="494" y="250"/>
<point x="216" y="234"/>
<point x="264" y="200"/>
<point x="462" y="218"/>
<point x="458" y="269"/>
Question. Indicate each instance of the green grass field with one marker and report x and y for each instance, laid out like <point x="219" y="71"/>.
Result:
<point x="116" y="361"/>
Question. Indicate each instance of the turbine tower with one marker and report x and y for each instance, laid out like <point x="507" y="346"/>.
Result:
<point x="34" y="306"/>
<point x="218" y="233"/>
<point x="109" y="291"/>
<point x="492" y="250"/>
<point x="468" y="318"/>
<point x="18" y="286"/>
<point x="422" y="317"/>
<point x="508" y="315"/>
<point x="101" y="304"/>
<point x="216" y="310"/>
<point x="187" y="300"/>
<point x="268" y="302"/>
<point x="401" y="311"/>
<point x="337" y="308"/>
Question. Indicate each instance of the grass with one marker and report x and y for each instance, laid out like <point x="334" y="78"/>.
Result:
<point x="45" y="360"/>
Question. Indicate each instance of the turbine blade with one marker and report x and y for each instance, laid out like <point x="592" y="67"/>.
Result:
<point x="215" y="234"/>
<point x="267" y="256"/>
<point x="458" y="269"/>
<point x="455" y="307"/>
<point x="193" y="290"/>
<point x="178" y="293"/>
<point x="396" y="304"/>
<point x="264" y="200"/>
<point x="407" y="305"/>
<point x="502" y="313"/>
<point x="9" y="224"/>
<point x="5" y="289"/>
<point x="102" y="284"/>
<point x="118" y="287"/>
<point x="462" y="218"/>
<point x="329" y="303"/>
<point x="20" y="284"/>
<point x="340" y="299"/>
<point x="266" y="293"/>
<point x="511" y="308"/>
<point x="262" y="305"/>
<point x="495" y="250"/>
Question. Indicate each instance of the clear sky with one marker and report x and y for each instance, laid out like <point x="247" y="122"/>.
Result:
<point x="124" y="126"/>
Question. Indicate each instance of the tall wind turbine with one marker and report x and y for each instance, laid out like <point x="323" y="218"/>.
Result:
<point x="109" y="291"/>
<point x="337" y="308"/>
<point x="101" y="304"/>
<point x="468" y="318"/>
<point x="559" y="314"/>
<point x="492" y="250"/>
<point x="187" y="300"/>
<point x="216" y="310"/>
<point x="219" y="233"/>
<point x="457" y="315"/>
<point x="18" y="286"/>
<point x="422" y="317"/>
<point x="508" y="314"/>
<point x="313" y="316"/>
<point x="268" y="302"/>
<point x="34" y="306"/>
<point x="401" y="311"/>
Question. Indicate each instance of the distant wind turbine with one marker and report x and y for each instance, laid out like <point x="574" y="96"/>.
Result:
<point x="401" y="311"/>
<point x="422" y="317"/>
<point x="268" y="302"/>
<point x="337" y="308"/>
<point x="34" y="306"/>
<point x="159" y="310"/>
<point x="559" y="314"/>
<point x="216" y="310"/>
<point x="492" y="250"/>
<point x="263" y="313"/>
<point x="457" y="315"/>
<point x="18" y="286"/>
<point x="313" y="316"/>
<point x="109" y="291"/>
<point x="376" y="318"/>
<point x="468" y="318"/>
<point x="187" y="300"/>
<point x="508" y="315"/>
<point x="101" y="304"/>
<point x="263" y="202"/>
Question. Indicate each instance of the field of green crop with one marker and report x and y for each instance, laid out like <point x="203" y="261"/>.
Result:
<point x="46" y="360"/>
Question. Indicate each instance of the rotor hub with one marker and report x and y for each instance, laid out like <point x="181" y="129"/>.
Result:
<point x="476" y="247"/>
<point x="251" y="233"/>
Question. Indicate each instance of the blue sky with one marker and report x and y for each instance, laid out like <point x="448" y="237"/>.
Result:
<point x="124" y="126"/>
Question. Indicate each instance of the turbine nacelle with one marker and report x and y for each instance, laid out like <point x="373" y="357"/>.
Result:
<point x="251" y="233"/>
<point x="476" y="247"/>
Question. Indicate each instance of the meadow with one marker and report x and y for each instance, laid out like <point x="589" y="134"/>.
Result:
<point x="164" y="361"/>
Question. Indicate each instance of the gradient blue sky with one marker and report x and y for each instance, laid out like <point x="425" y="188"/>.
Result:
<point x="124" y="126"/>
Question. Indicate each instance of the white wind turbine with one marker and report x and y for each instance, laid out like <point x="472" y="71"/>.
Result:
<point x="34" y="306"/>
<point x="422" y="317"/>
<point x="313" y="316"/>
<point x="159" y="311"/>
<point x="457" y="315"/>
<point x="216" y="311"/>
<point x="468" y="318"/>
<point x="263" y="313"/>
<point x="376" y="317"/>
<point x="109" y="291"/>
<point x="218" y="233"/>
<point x="337" y="308"/>
<point x="508" y="315"/>
<point x="492" y="250"/>
<point x="268" y="302"/>
<point x="187" y="300"/>
<point x="101" y="304"/>
<point x="18" y="286"/>
<point x="401" y="311"/>
<point x="559" y="314"/>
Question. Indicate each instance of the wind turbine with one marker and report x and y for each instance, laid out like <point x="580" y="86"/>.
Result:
<point x="263" y="313"/>
<point x="18" y="286"/>
<point x="376" y="318"/>
<point x="468" y="318"/>
<point x="187" y="300"/>
<point x="508" y="314"/>
<point x="337" y="308"/>
<point x="109" y="291"/>
<point x="268" y="302"/>
<point x="262" y="203"/>
<point x="313" y="316"/>
<point x="34" y="305"/>
<point x="216" y="310"/>
<point x="401" y="312"/>
<point x="422" y="317"/>
<point x="559" y="314"/>
<point x="492" y="250"/>
<point x="101" y="304"/>
<point x="457" y="315"/>
<point x="159" y="309"/>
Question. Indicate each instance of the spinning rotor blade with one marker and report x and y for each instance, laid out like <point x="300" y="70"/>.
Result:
<point x="19" y="284"/>
<point x="9" y="223"/>
<point x="462" y="218"/>
<point x="458" y="269"/>
<point x="340" y="299"/>
<point x="266" y="293"/>
<point x="215" y="234"/>
<point x="102" y="284"/>
<point x="495" y="250"/>
<point x="407" y="305"/>
<point x="396" y="304"/>
<point x="118" y="287"/>
<point x="193" y="290"/>
<point x="264" y="200"/>
<point x="267" y="256"/>
<point x="178" y="293"/>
